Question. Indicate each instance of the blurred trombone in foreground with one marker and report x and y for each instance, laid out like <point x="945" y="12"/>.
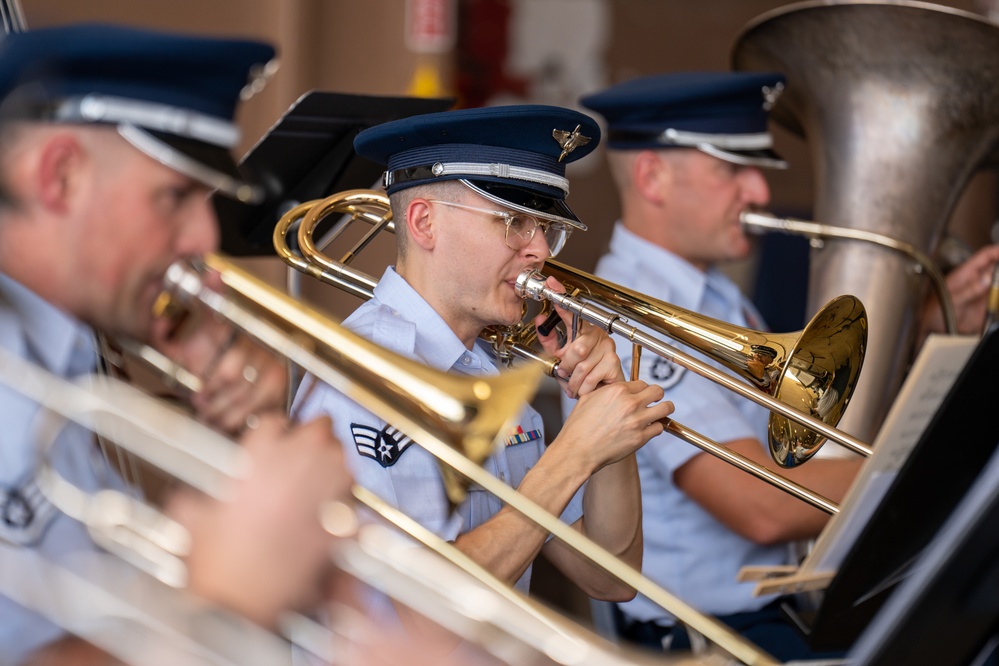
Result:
<point x="205" y="460"/>
<point x="142" y="618"/>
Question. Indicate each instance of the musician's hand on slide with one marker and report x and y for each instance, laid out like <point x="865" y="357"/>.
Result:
<point x="264" y="550"/>
<point x="240" y="379"/>
<point x="587" y="361"/>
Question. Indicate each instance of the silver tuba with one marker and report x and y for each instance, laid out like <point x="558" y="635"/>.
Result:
<point x="899" y="103"/>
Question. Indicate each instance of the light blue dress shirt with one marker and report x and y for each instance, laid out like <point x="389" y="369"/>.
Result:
<point x="385" y="461"/>
<point x="687" y="551"/>
<point x="35" y="330"/>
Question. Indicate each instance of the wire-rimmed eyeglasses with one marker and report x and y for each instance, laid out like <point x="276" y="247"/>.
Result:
<point x="520" y="227"/>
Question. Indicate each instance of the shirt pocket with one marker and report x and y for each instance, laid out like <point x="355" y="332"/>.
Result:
<point x="520" y="458"/>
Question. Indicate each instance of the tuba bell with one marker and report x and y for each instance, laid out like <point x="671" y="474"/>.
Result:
<point x="899" y="105"/>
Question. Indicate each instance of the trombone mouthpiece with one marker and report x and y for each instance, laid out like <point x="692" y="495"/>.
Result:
<point x="759" y="223"/>
<point x="531" y="284"/>
<point x="182" y="281"/>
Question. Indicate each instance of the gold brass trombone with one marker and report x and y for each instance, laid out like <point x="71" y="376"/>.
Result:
<point x="371" y="376"/>
<point x="503" y="622"/>
<point x="806" y="377"/>
<point x="457" y="413"/>
<point x="143" y="537"/>
<point x="822" y="390"/>
<point x="356" y="366"/>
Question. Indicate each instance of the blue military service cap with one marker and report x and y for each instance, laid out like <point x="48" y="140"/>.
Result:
<point x="514" y="156"/>
<point x="171" y="96"/>
<point x="723" y="114"/>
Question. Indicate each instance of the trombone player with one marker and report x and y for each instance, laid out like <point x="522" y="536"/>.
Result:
<point x="686" y="152"/>
<point x="111" y="140"/>
<point x="478" y="196"/>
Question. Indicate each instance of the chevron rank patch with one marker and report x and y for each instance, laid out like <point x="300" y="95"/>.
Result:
<point x="665" y="373"/>
<point x="519" y="436"/>
<point x="385" y="445"/>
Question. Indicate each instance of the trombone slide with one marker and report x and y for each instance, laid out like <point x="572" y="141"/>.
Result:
<point x="531" y="284"/>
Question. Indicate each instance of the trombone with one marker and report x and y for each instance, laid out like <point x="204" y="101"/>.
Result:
<point x="802" y="364"/>
<point x="386" y="384"/>
<point x="394" y="388"/>
<point x="502" y="622"/>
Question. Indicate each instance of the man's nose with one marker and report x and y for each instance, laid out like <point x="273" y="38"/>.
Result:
<point x="537" y="247"/>
<point x="200" y="234"/>
<point x="754" y="186"/>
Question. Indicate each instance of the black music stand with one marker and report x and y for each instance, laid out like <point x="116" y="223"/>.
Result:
<point x="309" y="154"/>
<point x="949" y="456"/>
<point x="946" y="613"/>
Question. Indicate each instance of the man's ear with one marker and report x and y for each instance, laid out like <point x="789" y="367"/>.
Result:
<point x="60" y="158"/>
<point x="651" y="174"/>
<point x="419" y="223"/>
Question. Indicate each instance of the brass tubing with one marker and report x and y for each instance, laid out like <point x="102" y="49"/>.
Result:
<point x="757" y="222"/>
<point x="532" y="285"/>
<point x="747" y="465"/>
<point x="362" y="205"/>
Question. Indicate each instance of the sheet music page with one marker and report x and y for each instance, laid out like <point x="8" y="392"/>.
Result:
<point x="939" y="363"/>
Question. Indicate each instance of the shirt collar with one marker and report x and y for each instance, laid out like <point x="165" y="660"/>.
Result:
<point x="688" y="283"/>
<point x="60" y="342"/>
<point x="436" y="343"/>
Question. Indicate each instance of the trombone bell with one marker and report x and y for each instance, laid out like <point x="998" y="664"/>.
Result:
<point x="817" y="377"/>
<point x="812" y="371"/>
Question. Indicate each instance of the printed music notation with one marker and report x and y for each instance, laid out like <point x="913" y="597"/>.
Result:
<point x="939" y="363"/>
<point x="919" y="409"/>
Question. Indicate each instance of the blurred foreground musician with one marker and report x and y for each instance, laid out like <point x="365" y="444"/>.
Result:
<point x="478" y="196"/>
<point x="111" y="140"/>
<point x="686" y="152"/>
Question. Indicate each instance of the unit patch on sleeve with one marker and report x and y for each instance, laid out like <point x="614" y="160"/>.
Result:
<point x="25" y="513"/>
<point x="385" y="445"/>
<point x="665" y="373"/>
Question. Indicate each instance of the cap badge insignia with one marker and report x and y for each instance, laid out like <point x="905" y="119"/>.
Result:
<point x="771" y="95"/>
<point x="569" y="141"/>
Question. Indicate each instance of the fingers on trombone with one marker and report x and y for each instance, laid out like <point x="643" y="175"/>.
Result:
<point x="590" y="361"/>
<point x="658" y="412"/>
<point x="247" y="381"/>
<point x="655" y="394"/>
<point x="651" y="396"/>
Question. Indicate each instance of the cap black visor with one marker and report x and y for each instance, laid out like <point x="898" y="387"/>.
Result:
<point x="527" y="201"/>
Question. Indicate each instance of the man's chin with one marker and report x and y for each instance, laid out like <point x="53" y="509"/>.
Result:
<point x="515" y="317"/>
<point x="740" y="250"/>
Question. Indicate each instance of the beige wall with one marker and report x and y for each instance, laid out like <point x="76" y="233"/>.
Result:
<point x="358" y="47"/>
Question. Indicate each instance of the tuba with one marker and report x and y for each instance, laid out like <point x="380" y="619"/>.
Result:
<point x="900" y="106"/>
